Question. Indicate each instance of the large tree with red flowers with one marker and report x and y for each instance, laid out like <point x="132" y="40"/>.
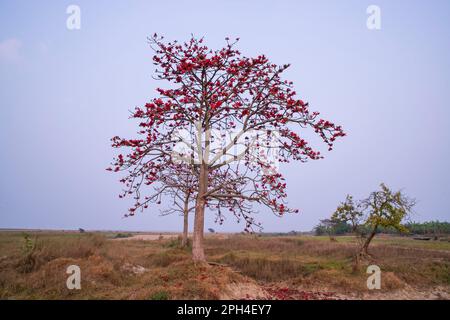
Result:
<point x="220" y="116"/>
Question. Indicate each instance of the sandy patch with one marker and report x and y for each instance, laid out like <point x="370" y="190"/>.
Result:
<point x="150" y="237"/>
<point x="165" y="236"/>
<point x="407" y="293"/>
<point x="249" y="290"/>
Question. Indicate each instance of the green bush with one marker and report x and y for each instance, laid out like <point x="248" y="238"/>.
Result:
<point x="160" y="295"/>
<point x="122" y="235"/>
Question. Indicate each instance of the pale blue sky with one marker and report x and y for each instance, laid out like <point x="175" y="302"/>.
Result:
<point x="64" y="94"/>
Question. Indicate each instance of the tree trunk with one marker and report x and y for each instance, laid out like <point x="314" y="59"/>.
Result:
<point x="365" y="247"/>
<point x="356" y="263"/>
<point x="184" y="241"/>
<point x="198" y="253"/>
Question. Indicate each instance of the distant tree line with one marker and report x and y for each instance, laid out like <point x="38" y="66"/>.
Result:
<point x="430" y="227"/>
<point x="323" y="228"/>
<point x="424" y="228"/>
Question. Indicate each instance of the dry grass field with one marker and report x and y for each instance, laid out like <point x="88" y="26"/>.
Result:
<point x="243" y="267"/>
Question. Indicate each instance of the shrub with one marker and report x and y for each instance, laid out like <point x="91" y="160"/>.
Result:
<point x="37" y="253"/>
<point x="160" y="295"/>
<point x="269" y="269"/>
<point x="122" y="235"/>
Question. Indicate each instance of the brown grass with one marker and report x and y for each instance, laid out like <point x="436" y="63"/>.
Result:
<point x="314" y="263"/>
<point x="168" y="270"/>
<point x="165" y="271"/>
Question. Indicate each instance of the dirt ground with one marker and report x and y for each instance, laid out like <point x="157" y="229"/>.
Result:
<point x="254" y="291"/>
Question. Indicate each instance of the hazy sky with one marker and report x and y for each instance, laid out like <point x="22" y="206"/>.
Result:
<point x="65" y="93"/>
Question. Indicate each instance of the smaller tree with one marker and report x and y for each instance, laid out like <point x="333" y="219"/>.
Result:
<point x="383" y="208"/>
<point x="180" y="184"/>
<point x="348" y="212"/>
<point x="175" y="182"/>
<point x="329" y="227"/>
<point x="387" y="209"/>
<point x="182" y="199"/>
